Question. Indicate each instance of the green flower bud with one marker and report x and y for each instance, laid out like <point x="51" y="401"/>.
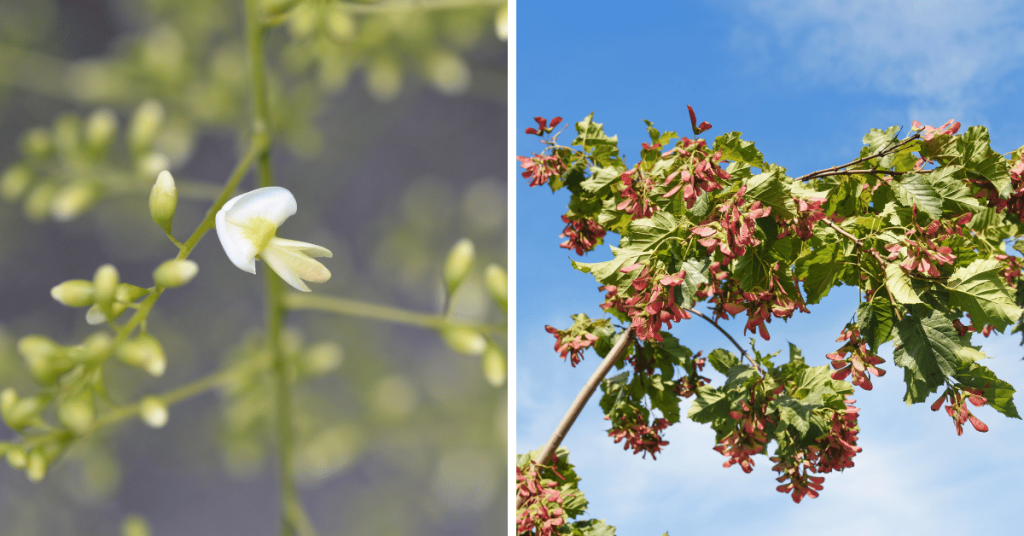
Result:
<point x="497" y="284"/>
<point x="460" y="259"/>
<point x="16" y="457"/>
<point x="340" y="24"/>
<point x="94" y="349"/>
<point x="303" y="20"/>
<point x="37" y="204"/>
<point x="384" y="78"/>
<point x="74" y="200"/>
<point x="36" y="143"/>
<point x="127" y="293"/>
<point x="135" y="525"/>
<point x="494" y="365"/>
<point x="78" y="412"/>
<point x="46" y="359"/>
<point x="67" y="135"/>
<point x="273" y="8"/>
<point x="100" y="128"/>
<point x="144" y="352"/>
<point x="322" y="358"/>
<point x="105" y="282"/>
<point x="501" y="23"/>
<point x="15" y="182"/>
<point x="464" y="340"/>
<point x="163" y="199"/>
<point x="153" y="412"/>
<point x="175" y="273"/>
<point x="448" y="73"/>
<point x="74" y="293"/>
<point x="95" y="316"/>
<point x="8" y="398"/>
<point x="149" y="165"/>
<point x="144" y="126"/>
<point x="35" y="466"/>
<point x="19" y="413"/>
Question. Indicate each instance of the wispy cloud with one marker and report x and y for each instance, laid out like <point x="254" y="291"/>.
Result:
<point x="947" y="56"/>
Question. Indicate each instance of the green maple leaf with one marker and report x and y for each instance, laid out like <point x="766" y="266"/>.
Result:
<point x="998" y="393"/>
<point x="926" y="347"/>
<point x="979" y="290"/>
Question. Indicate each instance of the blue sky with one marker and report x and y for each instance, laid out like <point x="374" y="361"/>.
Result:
<point x="805" y="80"/>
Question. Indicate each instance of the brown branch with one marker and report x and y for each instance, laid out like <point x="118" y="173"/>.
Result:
<point x="882" y="262"/>
<point x="726" y="333"/>
<point x="879" y="154"/>
<point x="581" y="400"/>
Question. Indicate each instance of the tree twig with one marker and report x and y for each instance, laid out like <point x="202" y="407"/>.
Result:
<point x="728" y="336"/>
<point x="879" y="154"/>
<point x="581" y="400"/>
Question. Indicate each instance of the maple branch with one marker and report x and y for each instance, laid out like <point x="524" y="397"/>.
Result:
<point x="882" y="262"/>
<point x="728" y="336"/>
<point x="879" y="154"/>
<point x="581" y="400"/>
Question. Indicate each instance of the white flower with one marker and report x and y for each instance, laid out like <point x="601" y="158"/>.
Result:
<point x="247" y="225"/>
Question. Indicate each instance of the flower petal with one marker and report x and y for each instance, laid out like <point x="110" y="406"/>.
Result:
<point x="274" y="204"/>
<point x="312" y="250"/>
<point x="240" y="251"/>
<point x="294" y="265"/>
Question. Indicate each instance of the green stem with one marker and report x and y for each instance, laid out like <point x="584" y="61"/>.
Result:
<point x="345" y="306"/>
<point x="294" y="520"/>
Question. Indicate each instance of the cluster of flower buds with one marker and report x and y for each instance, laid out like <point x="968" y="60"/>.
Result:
<point x="638" y="435"/>
<point x="541" y="512"/>
<point x="582" y="234"/>
<point x="653" y="304"/>
<point x="704" y="175"/>
<point x="957" y="408"/>
<point x="732" y="231"/>
<point x="543" y="127"/>
<point x="795" y="475"/>
<point x="636" y="194"/>
<point x="569" y="345"/>
<point x="920" y="252"/>
<point x="948" y="128"/>
<point x="854" y="358"/>
<point x="749" y="436"/>
<point x="809" y="212"/>
<point x="687" y="385"/>
<point x="540" y="168"/>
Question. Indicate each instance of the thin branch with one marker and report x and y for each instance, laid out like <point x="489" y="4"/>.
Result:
<point x="344" y="306"/>
<point x="728" y="336"/>
<point x="878" y="154"/>
<point x="882" y="262"/>
<point x="581" y="400"/>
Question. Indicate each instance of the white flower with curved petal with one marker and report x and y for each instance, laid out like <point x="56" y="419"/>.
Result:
<point x="247" y="226"/>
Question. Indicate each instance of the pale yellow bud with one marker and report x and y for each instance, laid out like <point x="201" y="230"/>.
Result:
<point x="100" y="128"/>
<point x="15" y="182"/>
<point x="153" y="412"/>
<point x="175" y="273"/>
<point x="497" y="284"/>
<point x="495" y="366"/>
<point x="74" y="200"/>
<point x="459" y="261"/>
<point x="464" y="340"/>
<point x="74" y="293"/>
<point x="36" y="143"/>
<point x="501" y="23"/>
<point x="78" y="412"/>
<point x="105" y="282"/>
<point x="144" y="352"/>
<point x="46" y="359"/>
<point x="144" y="125"/>
<point x="163" y="200"/>
<point x="35" y="466"/>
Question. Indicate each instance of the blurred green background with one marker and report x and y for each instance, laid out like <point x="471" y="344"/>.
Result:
<point x="392" y="135"/>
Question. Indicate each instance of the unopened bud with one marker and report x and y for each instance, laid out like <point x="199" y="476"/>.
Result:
<point x="322" y="358"/>
<point x="35" y="466"/>
<point x="495" y="366"/>
<point x="153" y="412"/>
<point x="135" y="525"/>
<point x="46" y="359"/>
<point x="74" y="293"/>
<point x="94" y="349"/>
<point x="460" y="259"/>
<point x="95" y="316"/>
<point x="144" y="126"/>
<point x="127" y="293"/>
<point x="464" y="340"/>
<point x="16" y="457"/>
<point x="448" y="73"/>
<point x="21" y="412"/>
<point x="175" y="273"/>
<point x="78" y="412"/>
<point x="149" y="165"/>
<point x="497" y="284"/>
<point x="15" y="182"/>
<point x="302" y="20"/>
<point x="8" y="398"/>
<point x="38" y="202"/>
<point x="74" y="200"/>
<point x="36" y="143"/>
<point x="67" y="135"/>
<point x="100" y="128"/>
<point x="144" y="352"/>
<point x="163" y="199"/>
<point x="501" y="23"/>
<point x="105" y="282"/>
<point x="340" y="24"/>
